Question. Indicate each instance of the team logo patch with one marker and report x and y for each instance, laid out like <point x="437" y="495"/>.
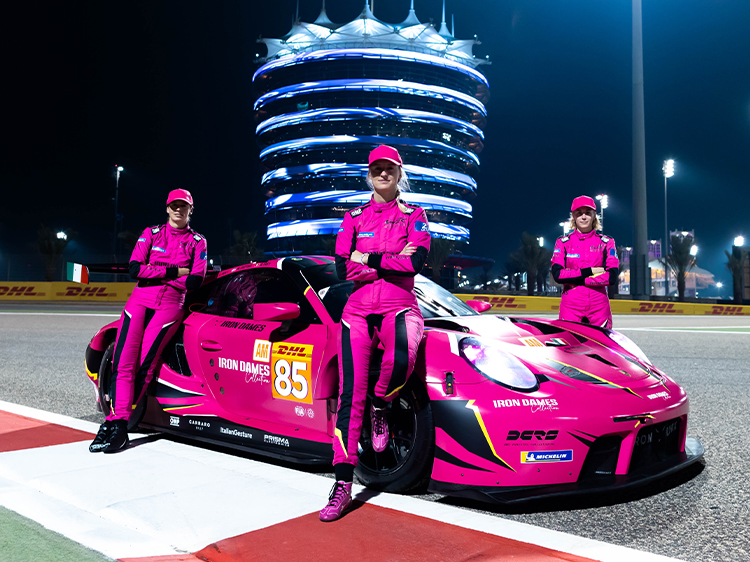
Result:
<point x="365" y="235"/>
<point x="203" y="256"/>
<point x="341" y="229"/>
<point x="612" y="252"/>
<point x="356" y="212"/>
<point x="197" y="237"/>
<point x="158" y="249"/>
<point x="141" y="240"/>
<point x="155" y="230"/>
<point x="573" y="255"/>
<point x="556" y="250"/>
<point x="420" y="226"/>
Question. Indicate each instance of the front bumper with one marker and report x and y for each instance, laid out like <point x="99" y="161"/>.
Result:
<point x="509" y="495"/>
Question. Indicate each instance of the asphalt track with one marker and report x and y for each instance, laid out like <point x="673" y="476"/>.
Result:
<point x="701" y="515"/>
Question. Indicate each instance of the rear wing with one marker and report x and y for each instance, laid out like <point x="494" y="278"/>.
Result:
<point x="79" y="273"/>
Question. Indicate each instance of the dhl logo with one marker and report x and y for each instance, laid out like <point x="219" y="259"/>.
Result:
<point x="727" y="311"/>
<point x="10" y="291"/>
<point x="86" y="292"/>
<point x="657" y="308"/>
<point x="291" y="350"/>
<point x="501" y="302"/>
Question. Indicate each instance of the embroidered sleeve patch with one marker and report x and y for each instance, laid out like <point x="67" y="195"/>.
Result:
<point x="420" y="226"/>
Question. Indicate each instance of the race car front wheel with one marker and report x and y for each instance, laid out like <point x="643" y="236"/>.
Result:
<point x="406" y="463"/>
<point x="105" y="390"/>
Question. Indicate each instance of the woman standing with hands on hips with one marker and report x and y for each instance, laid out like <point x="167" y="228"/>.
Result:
<point x="168" y="260"/>
<point x="380" y="246"/>
<point x="585" y="262"/>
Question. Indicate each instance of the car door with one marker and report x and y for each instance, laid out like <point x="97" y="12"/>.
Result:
<point x="259" y="362"/>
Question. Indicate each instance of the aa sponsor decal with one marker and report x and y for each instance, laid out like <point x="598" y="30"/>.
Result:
<point x="533" y="457"/>
<point x="656" y="308"/>
<point x="262" y="351"/>
<point x="291" y="367"/>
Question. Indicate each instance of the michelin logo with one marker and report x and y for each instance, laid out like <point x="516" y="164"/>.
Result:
<point x="546" y="456"/>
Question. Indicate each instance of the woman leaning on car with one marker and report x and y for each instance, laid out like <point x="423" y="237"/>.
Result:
<point x="168" y="260"/>
<point x="380" y="246"/>
<point x="585" y="263"/>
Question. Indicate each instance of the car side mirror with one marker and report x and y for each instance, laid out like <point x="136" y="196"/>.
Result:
<point x="479" y="306"/>
<point x="275" y="311"/>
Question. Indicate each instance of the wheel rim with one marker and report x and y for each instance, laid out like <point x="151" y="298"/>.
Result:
<point x="402" y="423"/>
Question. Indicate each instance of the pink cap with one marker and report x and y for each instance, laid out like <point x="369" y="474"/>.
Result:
<point x="384" y="152"/>
<point x="180" y="195"/>
<point x="582" y="201"/>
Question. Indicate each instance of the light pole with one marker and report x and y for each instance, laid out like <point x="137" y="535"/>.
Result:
<point x="118" y="169"/>
<point x="604" y="202"/>
<point x="668" y="169"/>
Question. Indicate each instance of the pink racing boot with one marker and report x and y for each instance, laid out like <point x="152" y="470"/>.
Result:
<point x="380" y="436"/>
<point x="339" y="500"/>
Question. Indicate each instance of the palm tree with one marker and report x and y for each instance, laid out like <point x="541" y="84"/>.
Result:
<point x="440" y="250"/>
<point x="532" y="257"/>
<point x="244" y="249"/>
<point x="734" y="264"/>
<point x="680" y="261"/>
<point x="52" y="246"/>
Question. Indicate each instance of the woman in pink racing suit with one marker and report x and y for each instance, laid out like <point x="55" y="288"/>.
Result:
<point x="585" y="263"/>
<point x="381" y="246"/>
<point x="168" y="260"/>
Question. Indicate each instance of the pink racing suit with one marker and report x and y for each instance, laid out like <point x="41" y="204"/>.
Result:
<point x="584" y="296"/>
<point x="154" y="310"/>
<point x="381" y="323"/>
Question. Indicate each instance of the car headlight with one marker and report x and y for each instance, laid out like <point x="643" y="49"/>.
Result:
<point x="628" y="345"/>
<point x="495" y="364"/>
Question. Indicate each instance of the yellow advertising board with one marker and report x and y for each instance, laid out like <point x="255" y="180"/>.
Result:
<point x="63" y="291"/>
<point x="516" y="304"/>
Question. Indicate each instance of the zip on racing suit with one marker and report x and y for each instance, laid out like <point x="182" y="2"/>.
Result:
<point x="584" y="295"/>
<point x="154" y="310"/>
<point x="381" y="321"/>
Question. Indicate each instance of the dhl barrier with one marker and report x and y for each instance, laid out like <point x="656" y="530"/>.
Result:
<point x="517" y="305"/>
<point x="61" y="291"/>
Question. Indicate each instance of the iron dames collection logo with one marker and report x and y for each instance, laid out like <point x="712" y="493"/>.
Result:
<point x="254" y="372"/>
<point x="535" y="404"/>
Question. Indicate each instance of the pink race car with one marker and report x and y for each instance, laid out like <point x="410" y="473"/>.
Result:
<point x="498" y="408"/>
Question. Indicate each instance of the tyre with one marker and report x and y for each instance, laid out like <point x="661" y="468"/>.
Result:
<point x="406" y="463"/>
<point x="105" y="390"/>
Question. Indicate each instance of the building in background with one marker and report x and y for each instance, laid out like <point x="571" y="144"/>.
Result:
<point x="327" y="94"/>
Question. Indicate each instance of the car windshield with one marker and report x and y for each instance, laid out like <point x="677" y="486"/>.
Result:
<point x="434" y="301"/>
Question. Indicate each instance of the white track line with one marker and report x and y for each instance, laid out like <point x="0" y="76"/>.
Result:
<point x="174" y="498"/>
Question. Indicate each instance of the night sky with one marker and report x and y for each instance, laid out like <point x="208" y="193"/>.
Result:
<point x="163" y="88"/>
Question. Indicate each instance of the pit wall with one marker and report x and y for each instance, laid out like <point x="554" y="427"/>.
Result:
<point x="501" y="304"/>
<point x="62" y="291"/>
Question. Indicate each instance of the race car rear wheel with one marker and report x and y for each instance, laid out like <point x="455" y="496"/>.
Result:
<point x="105" y="385"/>
<point x="406" y="463"/>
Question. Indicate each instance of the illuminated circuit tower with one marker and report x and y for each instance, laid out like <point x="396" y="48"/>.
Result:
<point x="328" y="94"/>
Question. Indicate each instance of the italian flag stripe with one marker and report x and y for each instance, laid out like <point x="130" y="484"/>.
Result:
<point x="78" y="273"/>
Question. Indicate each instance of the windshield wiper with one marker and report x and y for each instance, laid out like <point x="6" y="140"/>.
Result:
<point x="420" y="293"/>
